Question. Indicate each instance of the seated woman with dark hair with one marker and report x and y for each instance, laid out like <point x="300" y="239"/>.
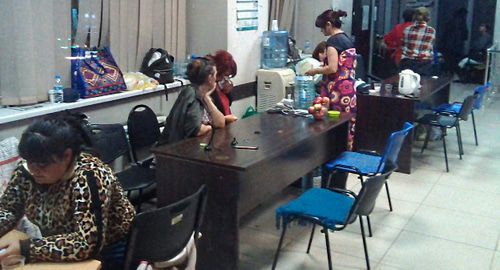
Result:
<point x="194" y="112"/>
<point x="73" y="197"/>
<point x="226" y="70"/>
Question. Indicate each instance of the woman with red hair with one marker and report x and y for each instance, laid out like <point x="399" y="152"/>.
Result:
<point x="226" y="69"/>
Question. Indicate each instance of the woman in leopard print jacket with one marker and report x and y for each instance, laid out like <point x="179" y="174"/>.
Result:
<point x="71" y="196"/>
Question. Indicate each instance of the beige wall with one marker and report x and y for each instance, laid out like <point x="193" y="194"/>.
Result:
<point x="307" y="13"/>
<point x="206" y="26"/>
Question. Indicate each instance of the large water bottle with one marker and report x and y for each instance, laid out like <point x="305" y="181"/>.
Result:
<point x="274" y="47"/>
<point x="56" y="95"/>
<point x="304" y="92"/>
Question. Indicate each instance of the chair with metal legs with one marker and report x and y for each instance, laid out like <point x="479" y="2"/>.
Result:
<point x="445" y="122"/>
<point x="454" y="108"/>
<point x="332" y="209"/>
<point x="366" y="164"/>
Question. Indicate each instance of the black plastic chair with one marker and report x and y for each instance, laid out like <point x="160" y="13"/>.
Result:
<point x="454" y="108"/>
<point x="161" y="234"/>
<point x="333" y="209"/>
<point x="143" y="129"/>
<point x="110" y="142"/>
<point x="444" y="122"/>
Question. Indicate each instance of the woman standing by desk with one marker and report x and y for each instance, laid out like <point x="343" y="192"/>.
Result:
<point x="338" y="71"/>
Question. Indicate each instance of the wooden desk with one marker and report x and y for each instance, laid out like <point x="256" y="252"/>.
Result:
<point x="84" y="265"/>
<point x="239" y="180"/>
<point x="381" y="114"/>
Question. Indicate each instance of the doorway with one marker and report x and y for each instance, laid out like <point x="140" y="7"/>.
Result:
<point x="368" y="33"/>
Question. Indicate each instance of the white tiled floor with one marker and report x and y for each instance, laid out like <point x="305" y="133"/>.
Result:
<point x="440" y="220"/>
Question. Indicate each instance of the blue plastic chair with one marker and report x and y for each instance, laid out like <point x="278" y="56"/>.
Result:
<point x="454" y="108"/>
<point x="369" y="163"/>
<point x="445" y="122"/>
<point x="333" y="209"/>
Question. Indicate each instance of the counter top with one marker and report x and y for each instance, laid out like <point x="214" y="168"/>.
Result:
<point x="11" y="114"/>
<point x="430" y="86"/>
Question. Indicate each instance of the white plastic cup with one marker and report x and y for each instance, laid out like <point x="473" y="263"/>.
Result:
<point x="376" y="86"/>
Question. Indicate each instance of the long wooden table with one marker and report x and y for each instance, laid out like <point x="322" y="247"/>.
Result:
<point x="378" y="115"/>
<point x="84" y="265"/>
<point x="239" y="180"/>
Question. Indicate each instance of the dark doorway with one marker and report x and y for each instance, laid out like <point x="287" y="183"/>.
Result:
<point x="386" y="13"/>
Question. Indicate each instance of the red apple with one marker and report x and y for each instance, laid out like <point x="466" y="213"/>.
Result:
<point x="317" y="100"/>
<point x="325" y="101"/>
<point x="311" y="109"/>
<point x="318" y="115"/>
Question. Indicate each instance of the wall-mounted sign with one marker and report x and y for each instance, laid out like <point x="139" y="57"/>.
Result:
<point x="247" y="15"/>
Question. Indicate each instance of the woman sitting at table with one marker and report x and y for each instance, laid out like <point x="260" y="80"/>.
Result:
<point x="73" y="197"/>
<point x="226" y="69"/>
<point x="194" y="112"/>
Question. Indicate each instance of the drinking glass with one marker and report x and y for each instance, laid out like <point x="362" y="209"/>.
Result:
<point x="388" y="87"/>
<point x="13" y="262"/>
<point x="376" y="86"/>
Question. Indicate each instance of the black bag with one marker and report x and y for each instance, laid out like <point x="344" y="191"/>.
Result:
<point x="159" y="65"/>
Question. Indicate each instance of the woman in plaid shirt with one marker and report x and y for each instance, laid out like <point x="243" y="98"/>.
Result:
<point x="417" y="48"/>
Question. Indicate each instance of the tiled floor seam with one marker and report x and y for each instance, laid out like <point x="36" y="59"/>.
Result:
<point x="450" y="240"/>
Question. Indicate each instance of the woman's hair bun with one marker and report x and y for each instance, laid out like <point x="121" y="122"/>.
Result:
<point x="199" y="69"/>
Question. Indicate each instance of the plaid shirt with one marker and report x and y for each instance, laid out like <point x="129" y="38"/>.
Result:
<point x="417" y="41"/>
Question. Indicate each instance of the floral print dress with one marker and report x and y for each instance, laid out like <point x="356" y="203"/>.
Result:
<point x="339" y="87"/>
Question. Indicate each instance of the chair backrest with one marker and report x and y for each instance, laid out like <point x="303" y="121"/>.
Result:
<point x="143" y="128"/>
<point x="360" y="72"/>
<point x="393" y="146"/>
<point x="466" y="108"/>
<point x="480" y="92"/>
<point x="109" y="141"/>
<point x="365" y="202"/>
<point x="161" y="234"/>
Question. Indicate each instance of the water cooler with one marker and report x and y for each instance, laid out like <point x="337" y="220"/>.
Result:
<point x="271" y="85"/>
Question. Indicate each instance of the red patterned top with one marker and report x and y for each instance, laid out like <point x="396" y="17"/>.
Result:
<point x="417" y="41"/>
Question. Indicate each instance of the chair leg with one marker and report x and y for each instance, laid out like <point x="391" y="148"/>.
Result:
<point x="311" y="238"/>
<point x="427" y="136"/>
<point x="388" y="195"/>
<point x="369" y="226"/>
<point x="327" y="240"/>
<point x="279" y="245"/>
<point x="364" y="243"/>
<point x="444" y="147"/>
<point x="459" y="140"/>
<point x="474" y="126"/>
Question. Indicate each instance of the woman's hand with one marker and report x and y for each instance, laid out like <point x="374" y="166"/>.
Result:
<point x="230" y="118"/>
<point x="311" y="72"/>
<point x="12" y="247"/>
<point x="209" y="92"/>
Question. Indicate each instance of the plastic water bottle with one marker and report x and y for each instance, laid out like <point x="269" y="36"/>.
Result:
<point x="307" y="46"/>
<point x="56" y="94"/>
<point x="304" y="92"/>
<point x="274" y="48"/>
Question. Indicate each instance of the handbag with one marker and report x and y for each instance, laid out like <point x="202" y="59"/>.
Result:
<point x="158" y="64"/>
<point x="95" y="73"/>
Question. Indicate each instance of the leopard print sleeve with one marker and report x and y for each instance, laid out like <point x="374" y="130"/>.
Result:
<point x="81" y="243"/>
<point x="120" y="219"/>
<point x="12" y="201"/>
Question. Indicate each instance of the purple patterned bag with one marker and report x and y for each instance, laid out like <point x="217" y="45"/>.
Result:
<point x="95" y="73"/>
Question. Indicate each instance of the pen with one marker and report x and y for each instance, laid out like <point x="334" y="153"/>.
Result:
<point x="246" y="147"/>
